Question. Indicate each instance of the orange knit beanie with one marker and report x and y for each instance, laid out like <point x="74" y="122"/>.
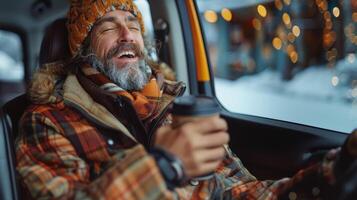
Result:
<point x="84" y="13"/>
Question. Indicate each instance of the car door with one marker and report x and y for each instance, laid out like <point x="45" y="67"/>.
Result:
<point x="240" y="52"/>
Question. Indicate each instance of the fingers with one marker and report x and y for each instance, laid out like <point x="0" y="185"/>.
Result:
<point x="211" y="155"/>
<point x="213" y="140"/>
<point x="208" y="125"/>
<point x="198" y="144"/>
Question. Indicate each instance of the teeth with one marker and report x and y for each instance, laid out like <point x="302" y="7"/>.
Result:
<point x="127" y="53"/>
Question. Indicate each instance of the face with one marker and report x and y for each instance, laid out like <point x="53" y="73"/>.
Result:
<point x="117" y="45"/>
<point x="113" y="30"/>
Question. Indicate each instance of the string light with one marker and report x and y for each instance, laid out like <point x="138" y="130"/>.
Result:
<point x="277" y="43"/>
<point x="294" y="57"/>
<point x="296" y="31"/>
<point x="286" y="19"/>
<point x="210" y="16"/>
<point x="335" y="80"/>
<point x="226" y="14"/>
<point x="284" y="38"/>
<point x="329" y="36"/>
<point x="336" y="12"/>
<point x="262" y="10"/>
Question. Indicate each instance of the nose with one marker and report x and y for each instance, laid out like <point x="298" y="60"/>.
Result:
<point x="126" y="35"/>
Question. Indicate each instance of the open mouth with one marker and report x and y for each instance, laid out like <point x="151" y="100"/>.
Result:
<point x="126" y="54"/>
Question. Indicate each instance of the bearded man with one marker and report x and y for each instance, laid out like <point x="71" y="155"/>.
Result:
<point x="90" y="131"/>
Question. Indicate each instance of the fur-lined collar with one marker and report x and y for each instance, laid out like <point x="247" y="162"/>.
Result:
<point x="50" y="85"/>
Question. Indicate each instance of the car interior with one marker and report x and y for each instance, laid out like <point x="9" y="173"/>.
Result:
<point x="269" y="148"/>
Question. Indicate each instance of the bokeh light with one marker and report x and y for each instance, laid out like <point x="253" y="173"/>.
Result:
<point x="335" y="80"/>
<point x="277" y="43"/>
<point x="294" y="57"/>
<point x="336" y="12"/>
<point x="296" y="31"/>
<point x="286" y="19"/>
<point x="226" y="14"/>
<point x="262" y="10"/>
<point x="210" y="16"/>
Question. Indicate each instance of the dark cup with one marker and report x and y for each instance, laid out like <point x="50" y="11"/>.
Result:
<point x="190" y="108"/>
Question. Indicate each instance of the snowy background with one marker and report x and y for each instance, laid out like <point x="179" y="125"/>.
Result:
<point x="317" y="96"/>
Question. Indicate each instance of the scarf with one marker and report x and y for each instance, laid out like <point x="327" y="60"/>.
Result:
<point x="145" y="101"/>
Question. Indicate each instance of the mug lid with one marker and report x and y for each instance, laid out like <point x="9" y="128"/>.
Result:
<point x="195" y="105"/>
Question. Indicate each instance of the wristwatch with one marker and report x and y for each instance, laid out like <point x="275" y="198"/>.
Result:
<point x="171" y="167"/>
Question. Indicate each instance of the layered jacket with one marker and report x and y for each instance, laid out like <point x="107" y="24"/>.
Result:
<point x="74" y="143"/>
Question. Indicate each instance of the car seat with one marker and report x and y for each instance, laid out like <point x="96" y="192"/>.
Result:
<point x="54" y="47"/>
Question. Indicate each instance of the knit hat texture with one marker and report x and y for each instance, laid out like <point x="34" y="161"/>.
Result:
<point x="84" y="13"/>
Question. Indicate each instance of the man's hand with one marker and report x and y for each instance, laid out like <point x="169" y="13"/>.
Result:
<point x="198" y="144"/>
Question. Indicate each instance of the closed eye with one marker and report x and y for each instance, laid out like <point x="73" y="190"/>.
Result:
<point x="108" y="29"/>
<point x="134" y="28"/>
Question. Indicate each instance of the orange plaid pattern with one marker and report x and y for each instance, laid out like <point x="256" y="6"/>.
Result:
<point x="63" y="154"/>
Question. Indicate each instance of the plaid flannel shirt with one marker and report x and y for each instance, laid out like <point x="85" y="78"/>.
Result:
<point x="62" y="155"/>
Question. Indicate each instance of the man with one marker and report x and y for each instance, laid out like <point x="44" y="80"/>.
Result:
<point x="99" y="127"/>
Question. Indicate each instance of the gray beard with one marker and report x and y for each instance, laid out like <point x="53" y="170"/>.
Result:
<point x="132" y="76"/>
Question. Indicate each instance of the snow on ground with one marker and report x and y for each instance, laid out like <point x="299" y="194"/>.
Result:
<point x="310" y="98"/>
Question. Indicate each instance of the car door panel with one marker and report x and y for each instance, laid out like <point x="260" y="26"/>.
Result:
<point x="271" y="151"/>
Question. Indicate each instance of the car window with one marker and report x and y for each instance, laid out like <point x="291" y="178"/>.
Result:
<point x="11" y="66"/>
<point x="291" y="60"/>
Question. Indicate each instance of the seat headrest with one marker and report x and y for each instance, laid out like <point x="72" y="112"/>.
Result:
<point x="54" y="45"/>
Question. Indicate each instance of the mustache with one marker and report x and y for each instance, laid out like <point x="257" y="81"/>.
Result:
<point x="125" y="46"/>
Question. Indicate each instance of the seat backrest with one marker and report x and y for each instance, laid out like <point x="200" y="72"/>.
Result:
<point x="54" y="47"/>
<point x="14" y="110"/>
